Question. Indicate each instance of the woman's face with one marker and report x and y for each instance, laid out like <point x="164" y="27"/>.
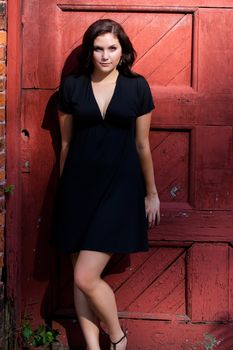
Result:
<point x="107" y="53"/>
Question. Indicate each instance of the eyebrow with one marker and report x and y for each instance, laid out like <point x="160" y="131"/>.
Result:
<point x="101" y="47"/>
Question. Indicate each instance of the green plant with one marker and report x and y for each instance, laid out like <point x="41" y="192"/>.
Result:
<point x="42" y="336"/>
<point x="9" y="189"/>
<point x="209" y="343"/>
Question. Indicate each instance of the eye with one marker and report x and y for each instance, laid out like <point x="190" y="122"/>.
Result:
<point x="112" y="48"/>
<point x="97" y="48"/>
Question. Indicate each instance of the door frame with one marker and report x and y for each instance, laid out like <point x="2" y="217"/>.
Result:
<point x="13" y="156"/>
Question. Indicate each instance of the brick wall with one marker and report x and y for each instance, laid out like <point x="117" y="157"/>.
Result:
<point x="3" y="40"/>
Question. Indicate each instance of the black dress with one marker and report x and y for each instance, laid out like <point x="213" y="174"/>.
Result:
<point x="100" y="204"/>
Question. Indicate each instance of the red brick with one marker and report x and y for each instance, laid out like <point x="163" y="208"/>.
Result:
<point x="2" y="114"/>
<point x="1" y="245"/>
<point x="3" y="8"/>
<point x="2" y="52"/>
<point x="2" y="131"/>
<point x="3" y="43"/>
<point x="3" y="37"/>
<point x="2" y="219"/>
<point x="1" y="259"/>
<point x="2" y="192"/>
<point x="2" y="159"/>
<point x="2" y="68"/>
<point x="2" y="99"/>
<point x="2" y="204"/>
<point x="2" y="83"/>
<point x="2" y="177"/>
<point x="2" y="143"/>
<point x="3" y="22"/>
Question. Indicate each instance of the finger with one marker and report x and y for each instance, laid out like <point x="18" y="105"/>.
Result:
<point x="152" y="218"/>
<point x="149" y="218"/>
<point x="158" y="217"/>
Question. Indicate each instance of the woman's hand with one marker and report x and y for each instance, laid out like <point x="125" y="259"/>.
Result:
<point x="152" y="205"/>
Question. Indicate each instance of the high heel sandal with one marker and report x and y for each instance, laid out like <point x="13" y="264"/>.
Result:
<point x="118" y="342"/>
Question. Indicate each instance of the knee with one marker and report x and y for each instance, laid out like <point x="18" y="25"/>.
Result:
<point x="84" y="281"/>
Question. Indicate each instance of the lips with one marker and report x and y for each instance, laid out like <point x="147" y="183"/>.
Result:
<point x="104" y="64"/>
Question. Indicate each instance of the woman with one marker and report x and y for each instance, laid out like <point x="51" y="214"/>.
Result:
<point x="107" y="193"/>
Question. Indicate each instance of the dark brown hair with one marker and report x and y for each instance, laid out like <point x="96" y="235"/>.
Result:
<point x="101" y="27"/>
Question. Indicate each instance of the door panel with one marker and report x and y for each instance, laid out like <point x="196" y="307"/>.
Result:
<point x="39" y="178"/>
<point x="166" y="292"/>
<point x="182" y="287"/>
<point x="171" y="158"/>
<point x="208" y="272"/>
<point x="165" y="57"/>
<point x="215" y="29"/>
<point x="230" y="283"/>
<point x="149" y="272"/>
<point x="139" y="5"/>
<point x="214" y="167"/>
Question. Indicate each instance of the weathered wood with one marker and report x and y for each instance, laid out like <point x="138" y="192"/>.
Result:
<point x="163" y="292"/>
<point x="38" y="185"/>
<point x="171" y="157"/>
<point x="2" y="316"/>
<point x="145" y="335"/>
<point x="139" y="4"/>
<point x="149" y="335"/>
<point x="231" y="283"/>
<point x="116" y="279"/>
<point x="215" y="46"/>
<point x="168" y="56"/>
<point x="143" y="277"/>
<point x="13" y="203"/>
<point x="42" y="45"/>
<point x="214" y="168"/>
<point x="185" y="108"/>
<point x="179" y="224"/>
<point x="210" y="103"/>
<point x="208" y="282"/>
<point x="166" y="294"/>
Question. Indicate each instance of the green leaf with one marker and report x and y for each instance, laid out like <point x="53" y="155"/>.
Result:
<point x="9" y="189"/>
<point x="27" y="331"/>
<point x="42" y="336"/>
<point x="50" y="337"/>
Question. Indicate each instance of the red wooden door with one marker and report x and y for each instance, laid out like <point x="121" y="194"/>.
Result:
<point x="177" y="295"/>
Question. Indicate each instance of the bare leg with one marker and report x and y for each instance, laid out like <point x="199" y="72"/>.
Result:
<point x="88" y="320"/>
<point x="87" y="277"/>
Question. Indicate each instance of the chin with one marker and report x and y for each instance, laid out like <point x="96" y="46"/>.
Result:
<point x="106" y="69"/>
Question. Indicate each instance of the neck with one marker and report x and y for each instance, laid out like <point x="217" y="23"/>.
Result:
<point x="98" y="76"/>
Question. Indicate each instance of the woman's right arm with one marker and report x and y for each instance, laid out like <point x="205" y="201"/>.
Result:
<point x="66" y="129"/>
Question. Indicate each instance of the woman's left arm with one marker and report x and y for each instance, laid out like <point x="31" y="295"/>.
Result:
<point x="152" y="202"/>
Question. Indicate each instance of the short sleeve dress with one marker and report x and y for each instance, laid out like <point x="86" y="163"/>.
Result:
<point x="100" y="200"/>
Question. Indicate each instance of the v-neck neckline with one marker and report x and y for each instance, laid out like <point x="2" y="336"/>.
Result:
<point x="103" y="117"/>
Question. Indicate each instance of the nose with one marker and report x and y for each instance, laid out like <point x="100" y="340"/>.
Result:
<point x="105" y="55"/>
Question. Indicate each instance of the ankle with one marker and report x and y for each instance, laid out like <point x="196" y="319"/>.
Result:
<point x="115" y="336"/>
<point x="121" y="341"/>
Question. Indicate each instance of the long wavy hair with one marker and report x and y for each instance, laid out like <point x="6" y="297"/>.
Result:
<point x="101" y="27"/>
